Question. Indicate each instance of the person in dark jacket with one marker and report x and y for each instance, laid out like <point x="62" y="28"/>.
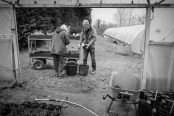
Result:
<point x="87" y="40"/>
<point x="60" y="39"/>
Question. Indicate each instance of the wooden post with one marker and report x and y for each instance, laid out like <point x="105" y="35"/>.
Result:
<point x="146" y="43"/>
<point x="15" y="47"/>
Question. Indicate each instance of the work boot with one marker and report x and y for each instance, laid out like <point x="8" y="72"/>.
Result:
<point x="62" y="74"/>
<point x="56" y="74"/>
<point x="93" y="71"/>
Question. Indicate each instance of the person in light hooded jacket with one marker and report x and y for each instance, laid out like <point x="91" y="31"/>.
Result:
<point x="60" y="39"/>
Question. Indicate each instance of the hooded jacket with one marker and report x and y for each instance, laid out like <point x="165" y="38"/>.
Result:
<point x="60" y="39"/>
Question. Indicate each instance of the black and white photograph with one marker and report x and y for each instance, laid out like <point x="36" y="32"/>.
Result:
<point x="86" y="58"/>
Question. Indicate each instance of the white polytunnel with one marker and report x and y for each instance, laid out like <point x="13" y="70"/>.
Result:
<point x="131" y="35"/>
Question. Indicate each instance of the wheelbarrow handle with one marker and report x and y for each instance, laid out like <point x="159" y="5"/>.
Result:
<point x="107" y="95"/>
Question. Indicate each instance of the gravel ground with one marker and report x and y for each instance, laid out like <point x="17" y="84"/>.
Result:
<point x="107" y="62"/>
<point x="85" y="90"/>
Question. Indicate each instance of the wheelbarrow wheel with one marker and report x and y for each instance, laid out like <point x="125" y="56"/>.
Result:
<point x="43" y="60"/>
<point x="38" y="64"/>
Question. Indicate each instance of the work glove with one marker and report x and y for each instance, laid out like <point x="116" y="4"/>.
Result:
<point x="78" y="46"/>
<point x="87" y="46"/>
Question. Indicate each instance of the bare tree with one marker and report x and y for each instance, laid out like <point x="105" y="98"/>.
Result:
<point x="98" y="22"/>
<point x="124" y="17"/>
<point x="128" y="17"/>
<point x="111" y="25"/>
<point x="120" y="17"/>
<point x="100" y="26"/>
<point x="141" y="18"/>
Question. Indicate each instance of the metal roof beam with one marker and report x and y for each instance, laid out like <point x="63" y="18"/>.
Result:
<point x="7" y="2"/>
<point x="97" y="5"/>
<point x="148" y="1"/>
<point x="158" y="3"/>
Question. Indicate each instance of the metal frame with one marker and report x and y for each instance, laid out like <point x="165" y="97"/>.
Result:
<point x="77" y="3"/>
<point x="30" y="47"/>
<point x="146" y="44"/>
<point x="119" y="100"/>
<point x="95" y="5"/>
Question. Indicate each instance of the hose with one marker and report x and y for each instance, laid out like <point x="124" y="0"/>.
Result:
<point x="65" y="101"/>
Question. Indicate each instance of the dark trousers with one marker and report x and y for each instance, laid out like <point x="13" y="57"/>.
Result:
<point x="85" y="57"/>
<point x="57" y="59"/>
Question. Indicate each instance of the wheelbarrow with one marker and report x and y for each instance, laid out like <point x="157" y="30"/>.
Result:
<point x="125" y="88"/>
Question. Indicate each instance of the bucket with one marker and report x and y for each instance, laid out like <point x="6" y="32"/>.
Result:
<point x="83" y="69"/>
<point x="71" y="68"/>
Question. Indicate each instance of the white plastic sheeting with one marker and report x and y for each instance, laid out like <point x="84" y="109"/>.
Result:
<point x="131" y="35"/>
<point x="162" y="25"/>
<point x="5" y="20"/>
<point x="160" y="66"/>
<point x="137" y="43"/>
<point x="6" y="52"/>
<point x="6" y="67"/>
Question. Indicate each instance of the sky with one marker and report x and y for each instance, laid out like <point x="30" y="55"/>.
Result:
<point x="105" y="14"/>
